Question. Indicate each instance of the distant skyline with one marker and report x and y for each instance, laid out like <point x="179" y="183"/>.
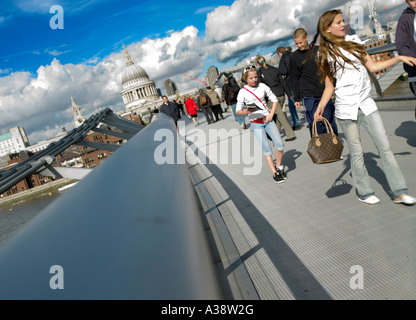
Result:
<point x="41" y="67"/>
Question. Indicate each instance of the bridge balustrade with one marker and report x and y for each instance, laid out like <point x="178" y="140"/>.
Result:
<point x="131" y="229"/>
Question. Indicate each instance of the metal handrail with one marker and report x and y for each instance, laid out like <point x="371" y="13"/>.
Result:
<point x="131" y="229"/>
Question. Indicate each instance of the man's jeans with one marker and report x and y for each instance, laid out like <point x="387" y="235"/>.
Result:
<point x="374" y="126"/>
<point x="240" y="119"/>
<point x="293" y="111"/>
<point x="310" y="104"/>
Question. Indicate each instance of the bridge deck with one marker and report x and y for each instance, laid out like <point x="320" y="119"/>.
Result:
<point x="299" y="239"/>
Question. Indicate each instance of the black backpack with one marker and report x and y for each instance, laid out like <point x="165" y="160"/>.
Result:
<point x="233" y="90"/>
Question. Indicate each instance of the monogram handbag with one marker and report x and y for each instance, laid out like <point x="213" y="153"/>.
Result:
<point x="324" y="147"/>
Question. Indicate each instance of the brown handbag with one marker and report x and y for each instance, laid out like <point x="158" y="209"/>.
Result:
<point x="324" y="147"/>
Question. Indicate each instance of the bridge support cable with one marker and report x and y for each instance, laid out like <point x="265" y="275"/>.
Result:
<point x="99" y="145"/>
<point x="123" y="128"/>
<point x="131" y="229"/>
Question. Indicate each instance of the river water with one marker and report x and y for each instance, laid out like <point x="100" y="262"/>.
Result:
<point x="14" y="216"/>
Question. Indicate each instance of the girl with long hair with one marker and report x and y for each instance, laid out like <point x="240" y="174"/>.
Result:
<point x="343" y="62"/>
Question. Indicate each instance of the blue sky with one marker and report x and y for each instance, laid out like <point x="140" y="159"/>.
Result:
<point x="92" y="29"/>
<point x="41" y="68"/>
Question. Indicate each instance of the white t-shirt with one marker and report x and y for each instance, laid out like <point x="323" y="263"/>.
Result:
<point x="261" y="91"/>
<point x="353" y="86"/>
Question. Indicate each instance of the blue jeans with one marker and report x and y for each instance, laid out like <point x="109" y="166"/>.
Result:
<point x="240" y="119"/>
<point x="293" y="111"/>
<point x="374" y="126"/>
<point x="311" y="103"/>
<point x="260" y="129"/>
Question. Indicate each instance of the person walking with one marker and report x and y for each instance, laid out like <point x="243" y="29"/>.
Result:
<point x="229" y="95"/>
<point x="344" y="61"/>
<point x="170" y="109"/>
<point x="204" y="103"/>
<point x="306" y="83"/>
<point x="255" y="94"/>
<point x="273" y="79"/>
<point x="216" y="103"/>
<point x="406" y="41"/>
<point x="192" y="110"/>
<point x="223" y="105"/>
<point x="284" y="54"/>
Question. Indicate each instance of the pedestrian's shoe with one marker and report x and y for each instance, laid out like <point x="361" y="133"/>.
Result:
<point x="278" y="177"/>
<point x="290" y="139"/>
<point x="282" y="173"/>
<point x="296" y="128"/>
<point x="243" y="125"/>
<point x="370" y="200"/>
<point x="407" y="200"/>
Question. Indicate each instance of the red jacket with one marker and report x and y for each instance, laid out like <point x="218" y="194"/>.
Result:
<point x="191" y="107"/>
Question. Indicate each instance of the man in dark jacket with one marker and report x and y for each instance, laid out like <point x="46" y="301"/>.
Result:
<point x="229" y="96"/>
<point x="406" y="41"/>
<point x="306" y="83"/>
<point x="271" y="76"/>
<point x="284" y="54"/>
<point x="170" y="109"/>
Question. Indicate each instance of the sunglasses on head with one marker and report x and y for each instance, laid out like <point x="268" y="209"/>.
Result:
<point x="248" y="68"/>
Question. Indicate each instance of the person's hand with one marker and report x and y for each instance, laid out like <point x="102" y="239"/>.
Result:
<point x="319" y="112"/>
<point x="408" y="60"/>
<point x="250" y="110"/>
<point x="268" y="118"/>
<point x="297" y="104"/>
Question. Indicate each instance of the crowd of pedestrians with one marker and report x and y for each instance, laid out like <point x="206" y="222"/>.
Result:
<point x="329" y="76"/>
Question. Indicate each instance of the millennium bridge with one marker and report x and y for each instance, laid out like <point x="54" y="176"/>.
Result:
<point x="173" y="214"/>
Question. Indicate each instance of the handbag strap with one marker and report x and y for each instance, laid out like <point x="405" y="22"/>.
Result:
<point x="257" y="99"/>
<point x="329" y="129"/>
<point x="327" y="125"/>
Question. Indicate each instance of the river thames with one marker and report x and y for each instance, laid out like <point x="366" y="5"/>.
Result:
<point x="14" y="216"/>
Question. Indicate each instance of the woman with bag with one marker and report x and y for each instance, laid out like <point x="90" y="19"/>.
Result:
<point x="254" y="95"/>
<point x="343" y="60"/>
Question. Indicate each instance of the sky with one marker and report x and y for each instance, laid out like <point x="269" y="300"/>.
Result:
<point x="51" y="50"/>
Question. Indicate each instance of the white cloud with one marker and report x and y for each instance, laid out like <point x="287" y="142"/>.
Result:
<point x="204" y="10"/>
<point x="234" y="30"/>
<point x="42" y="104"/>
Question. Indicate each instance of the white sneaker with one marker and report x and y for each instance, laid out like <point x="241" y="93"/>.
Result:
<point x="407" y="200"/>
<point x="370" y="200"/>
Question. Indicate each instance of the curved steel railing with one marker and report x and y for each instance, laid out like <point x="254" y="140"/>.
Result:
<point x="131" y="229"/>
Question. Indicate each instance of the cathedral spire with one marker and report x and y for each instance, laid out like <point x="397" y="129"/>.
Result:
<point x="76" y="112"/>
<point x="127" y="55"/>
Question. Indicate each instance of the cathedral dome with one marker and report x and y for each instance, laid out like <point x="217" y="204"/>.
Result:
<point x="137" y="88"/>
<point x="132" y="72"/>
